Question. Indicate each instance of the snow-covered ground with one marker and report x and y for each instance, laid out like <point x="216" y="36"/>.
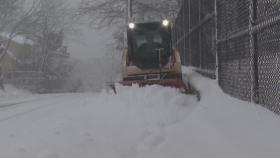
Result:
<point x="149" y="122"/>
<point x="11" y="91"/>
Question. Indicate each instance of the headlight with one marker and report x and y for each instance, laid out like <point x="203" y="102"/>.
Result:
<point x="165" y="22"/>
<point x="131" y="25"/>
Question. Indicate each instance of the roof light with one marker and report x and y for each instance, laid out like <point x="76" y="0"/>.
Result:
<point x="165" y="22"/>
<point x="131" y="25"/>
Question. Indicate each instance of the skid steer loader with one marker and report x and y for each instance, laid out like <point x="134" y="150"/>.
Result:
<point x="150" y="58"/>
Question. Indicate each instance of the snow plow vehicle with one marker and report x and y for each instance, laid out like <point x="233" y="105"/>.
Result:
<point x="150" y="58"/>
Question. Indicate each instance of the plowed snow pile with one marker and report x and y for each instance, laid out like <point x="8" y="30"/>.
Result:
<point x="149" y="122"/>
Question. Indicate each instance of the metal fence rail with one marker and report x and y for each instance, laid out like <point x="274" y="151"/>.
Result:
<point x="239" y="37"/>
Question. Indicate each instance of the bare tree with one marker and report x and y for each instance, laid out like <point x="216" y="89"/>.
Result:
<point x="8" y="10"/>
<point x="107" y="13"/>
<point x="104" y="13"/>
<point x="45" y="23"/>
<point x="47" y="28"/>
<point x="17" y="23"/>
<point x="50" y="25"/>
<point x="13" y="17"/>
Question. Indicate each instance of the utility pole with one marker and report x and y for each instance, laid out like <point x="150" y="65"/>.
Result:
<point x="129" y="10"/>
<point x="127" y="21"/>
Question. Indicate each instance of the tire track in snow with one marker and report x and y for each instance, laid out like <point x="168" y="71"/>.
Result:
<point x="9" y="105"/>
<point x="39" y="107"/>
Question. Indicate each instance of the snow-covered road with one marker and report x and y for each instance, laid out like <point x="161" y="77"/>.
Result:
<point x="150" y="122"/>
<point x="88" y="125"/>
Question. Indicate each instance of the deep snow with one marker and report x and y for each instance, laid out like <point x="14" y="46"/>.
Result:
<point x="149" y="122"/>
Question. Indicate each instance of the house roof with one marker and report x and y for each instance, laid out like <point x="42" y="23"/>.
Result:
<point x="11" y="55"/>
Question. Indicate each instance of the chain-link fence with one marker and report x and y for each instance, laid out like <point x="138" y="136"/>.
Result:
<point x="28" y="80"/>
<point x="241" y="37"/>
<point x="194" y="35"/>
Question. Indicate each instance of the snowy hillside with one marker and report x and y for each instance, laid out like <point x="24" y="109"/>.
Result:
<point x="150" y="122"/>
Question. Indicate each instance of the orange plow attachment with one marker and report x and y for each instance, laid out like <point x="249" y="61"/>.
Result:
<point x="175" y="83"/>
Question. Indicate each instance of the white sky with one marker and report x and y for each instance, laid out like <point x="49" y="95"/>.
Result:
<point x="89" y="43"/>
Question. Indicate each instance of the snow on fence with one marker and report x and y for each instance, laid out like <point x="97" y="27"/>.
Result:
<point x="235" y="41"/>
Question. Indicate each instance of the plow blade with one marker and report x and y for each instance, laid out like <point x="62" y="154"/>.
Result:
<point x="174" y="83"/>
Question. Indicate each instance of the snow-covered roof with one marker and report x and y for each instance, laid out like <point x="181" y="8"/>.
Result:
<point x="18" y="39"/>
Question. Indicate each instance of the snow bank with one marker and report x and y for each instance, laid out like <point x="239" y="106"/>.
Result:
<point x="222" y="126"/>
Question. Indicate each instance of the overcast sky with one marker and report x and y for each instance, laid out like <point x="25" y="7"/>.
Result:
<point x="88" y="42"/>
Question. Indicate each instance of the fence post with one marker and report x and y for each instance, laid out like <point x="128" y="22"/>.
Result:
<point x="184" y="35"/>
<point x="253" y="52"/>
<point x="189" y="32"/>
<point x="216" y="41"/>
<point x="256" y="54"/>
<point x="199" y="35"/>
